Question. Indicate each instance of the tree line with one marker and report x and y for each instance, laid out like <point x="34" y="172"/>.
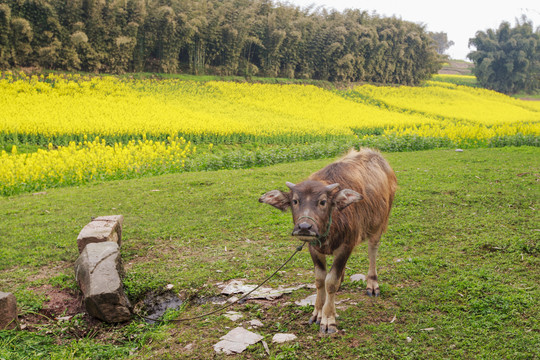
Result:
<point x="222" y="37"/>
<point x="507" y="59"/>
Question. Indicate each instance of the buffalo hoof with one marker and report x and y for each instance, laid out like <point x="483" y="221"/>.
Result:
<point x="328" y="329"/>
<point x="314" y="320"/>
<point x="375" y="293"/>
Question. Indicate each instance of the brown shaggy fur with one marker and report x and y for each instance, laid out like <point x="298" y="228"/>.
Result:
<point x="367" y="173"/>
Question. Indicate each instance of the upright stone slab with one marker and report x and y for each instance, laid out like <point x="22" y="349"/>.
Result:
<point x="98" y="271"/>
<point x="101" y="229"/>
<point x="8" y="311"/>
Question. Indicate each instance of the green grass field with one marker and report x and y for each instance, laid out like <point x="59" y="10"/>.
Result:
<point x="458" y="267"/>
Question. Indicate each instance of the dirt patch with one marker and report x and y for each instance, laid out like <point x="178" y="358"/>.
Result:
<point x="61" y="303"/>
<point x="457" y="68"/>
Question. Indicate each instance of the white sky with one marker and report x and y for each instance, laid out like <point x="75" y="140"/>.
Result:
<point x="460" y="19"/>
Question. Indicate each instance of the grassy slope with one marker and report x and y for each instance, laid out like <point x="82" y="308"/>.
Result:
<point x="460" y="256"/>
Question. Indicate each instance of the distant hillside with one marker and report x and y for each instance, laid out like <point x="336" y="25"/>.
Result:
<point x="457" y="67"/>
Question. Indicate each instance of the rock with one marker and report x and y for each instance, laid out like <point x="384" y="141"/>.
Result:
<point x="233" y="315"/>
<point x="310" y="300"/>
<point x="237" y="286"/>
<point x="8" y="311"/>
<point x="98" y="272"/>
<point x="358" y="277"/>
<point x="409" y="339"/>
<point x="236" y="341"/>
<point x="281" y="338"/>
<point x="100" y="229"/>
<point x="256" y="323"/>
<point x="459" y="150"/>
<point x="265" y="345"/>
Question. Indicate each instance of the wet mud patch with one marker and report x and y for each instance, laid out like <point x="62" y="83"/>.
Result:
<point x="155" y="304"/>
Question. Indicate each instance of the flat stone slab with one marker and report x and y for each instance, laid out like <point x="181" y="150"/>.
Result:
<point x="238" y="287"/>
<point x="281" y="338"/>
<point x="236" y="341"/>
<point x="358" y="277"/>
<point x="308" y="301"/>
<point x="8" y="311"/>
<point x="101" y="229"/>
<point x="98" y="272"/>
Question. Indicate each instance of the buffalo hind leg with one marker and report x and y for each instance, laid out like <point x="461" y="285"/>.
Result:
<point x="319" y="260"/>
<point x="332" y="283"/>
<point x="372" y="284"/>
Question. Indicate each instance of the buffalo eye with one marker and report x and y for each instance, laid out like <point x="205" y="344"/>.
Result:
<point x="322" y="202"/>
<point x="295" y="202"/>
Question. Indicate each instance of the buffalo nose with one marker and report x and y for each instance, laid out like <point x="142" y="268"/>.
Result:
<point x="305" y="226"/>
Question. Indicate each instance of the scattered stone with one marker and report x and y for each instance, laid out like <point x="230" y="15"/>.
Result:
<point x="233" y="315"/>
<point x="188" y="347"/>
<point x="281" y="338"/>
<point x="459" y="150"/>
<point x="409" y="339"/>
<point x="237" y="286"/>
<point x="236" y="341"/>
<point x="265" y="345"/>
<point x="310" y="300"/>
<point x="8" y="311"/>
<point x="101" y="229"/>
<point x="256" y="323"/>
<point x="428" y="329"/>
<point x="98" y="272"/>
<point x="358" y="277"/>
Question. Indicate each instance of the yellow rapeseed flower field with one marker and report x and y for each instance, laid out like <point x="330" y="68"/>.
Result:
<point x="104" y="127"/>
<point x="83" y="162"/>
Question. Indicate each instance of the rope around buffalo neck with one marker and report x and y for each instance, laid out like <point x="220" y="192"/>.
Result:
<point x="298" y="249"/>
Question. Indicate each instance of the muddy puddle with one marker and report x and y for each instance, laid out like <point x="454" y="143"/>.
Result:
<point x="156" y="304"/>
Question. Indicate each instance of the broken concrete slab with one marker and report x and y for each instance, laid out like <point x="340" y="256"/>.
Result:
<point x="281" y="338"/>
<point x="8" y="311"/>
<point x="98" y="272"/>
<point x="101" y="229"/>
<point x="236" y="341"/>
<point x="238" y="287"/>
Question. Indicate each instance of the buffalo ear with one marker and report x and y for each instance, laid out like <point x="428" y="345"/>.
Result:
<point x="345" y="198"/>
<point x="277" y="199"/>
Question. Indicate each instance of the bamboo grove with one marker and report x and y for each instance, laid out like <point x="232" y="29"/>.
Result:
<point x="220" y="37"/>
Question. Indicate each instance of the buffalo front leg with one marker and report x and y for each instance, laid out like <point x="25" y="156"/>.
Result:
<point x="372" y="283"/>
<point x="332" y="283"/>
<point x="319" y="260"/>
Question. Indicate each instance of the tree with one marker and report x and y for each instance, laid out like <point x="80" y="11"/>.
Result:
<point x="441" y="42"/>
<point x="21" y="38"/>
<point x="227" y="37"/>
<point x="5" y="20"/>
<point x="507" y="59"/>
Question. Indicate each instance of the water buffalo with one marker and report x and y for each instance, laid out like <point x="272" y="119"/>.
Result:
<point x="335" y="209"/>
